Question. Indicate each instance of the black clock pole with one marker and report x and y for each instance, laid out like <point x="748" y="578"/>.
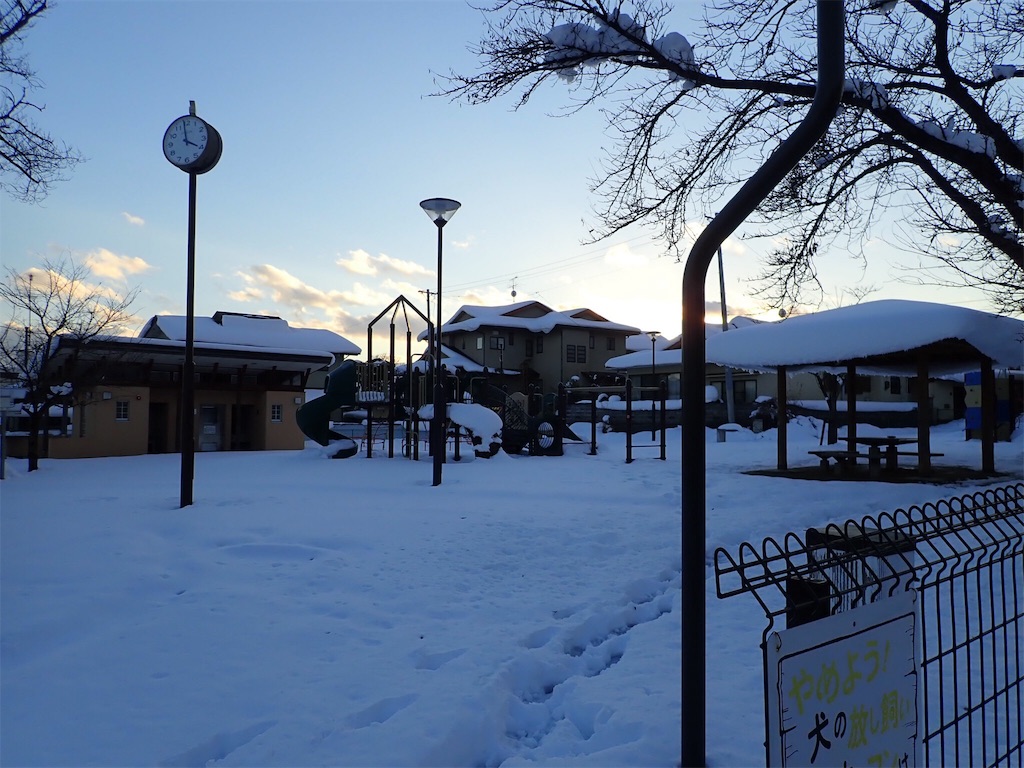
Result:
<point x="193" y="156"/>
<point x="188" y="383"/>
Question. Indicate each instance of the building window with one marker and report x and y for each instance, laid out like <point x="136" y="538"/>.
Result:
<point x="862" y="384"/>
<point x="511" y="339"/>
<point x="744" y="391"/>
<point x="570" y="353"/>
<point x="895" y="385"/>
<point x="611" y="343"/>
<point x="463" y="342"/>
<point x="581" y="353"/>
<point x="497" y="342"/>
<point x="540" y="344"/>
<point x="276" y="412"/>
<point x="529" y="347"/>
<point x="121" y="410"/>
<point x="591" y="341"/>
<point x="479" y="342"/>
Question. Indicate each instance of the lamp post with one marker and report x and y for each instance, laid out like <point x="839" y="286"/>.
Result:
<point x="440" y="210"/>
<point x="730" y="407"/>
<point x="653" y="335"/>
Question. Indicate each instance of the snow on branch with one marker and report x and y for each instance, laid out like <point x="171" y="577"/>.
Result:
<point x="577" y="44"/>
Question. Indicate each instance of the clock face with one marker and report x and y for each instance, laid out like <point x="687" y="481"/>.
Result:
<point x="185" y="140"/>
<point x="192" y="144"/>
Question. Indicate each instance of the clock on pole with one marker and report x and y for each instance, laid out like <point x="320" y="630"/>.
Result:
<point x="192" y="145"/>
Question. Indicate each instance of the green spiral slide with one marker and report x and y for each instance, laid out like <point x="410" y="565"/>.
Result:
<point x="314" y="417"/>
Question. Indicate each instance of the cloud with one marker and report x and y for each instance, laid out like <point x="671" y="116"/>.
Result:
<point x="50" y="282"/>
<point x="489" y="297"/>
<point x="623" y="256"/>
<point x="359" y="263"/>
<point x="104" y="263"/>
<point x="287" y="289"/>
<point x="246" y="294"/>
<point x="362" y="263"/>
<point x="135" y="221"/>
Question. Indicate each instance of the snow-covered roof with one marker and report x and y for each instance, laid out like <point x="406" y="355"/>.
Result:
<point x="642" y="343"/>
<point x="170" y="351"/>
<point x="668" y="352"/>
<point x="249" y="331"/>
<point x="530" y="316"/>
<point x="453" y="360"/>
<point x="878" y="337"/>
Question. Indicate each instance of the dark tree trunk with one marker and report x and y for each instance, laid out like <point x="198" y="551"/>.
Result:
<point x="35" y="423"/>
<point x="831" y="385"/>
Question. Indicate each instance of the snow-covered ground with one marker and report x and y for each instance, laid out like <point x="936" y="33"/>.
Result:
<point x="307" y="611"/>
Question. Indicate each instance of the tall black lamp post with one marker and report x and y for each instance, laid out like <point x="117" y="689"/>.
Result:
<point x="653" y="335"/>
<point x="440" y="210"/>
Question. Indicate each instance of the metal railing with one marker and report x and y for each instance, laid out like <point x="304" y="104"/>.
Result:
<point x="965" y="558"/>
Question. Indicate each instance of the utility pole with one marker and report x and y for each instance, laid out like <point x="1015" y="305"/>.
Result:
<point x="28" y="328"/>
<point x="429" y="294"/>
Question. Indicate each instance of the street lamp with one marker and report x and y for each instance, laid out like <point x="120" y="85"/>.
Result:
<point x="653" y="335"/>
<point x="440" y="210"/>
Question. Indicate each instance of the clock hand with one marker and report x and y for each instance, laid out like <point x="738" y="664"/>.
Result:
<point x="184" y="131"/>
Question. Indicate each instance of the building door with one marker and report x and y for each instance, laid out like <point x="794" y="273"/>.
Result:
<point x="211" y="421"/>
<point x="158" y="431"/>
<point x="242" y="417"/>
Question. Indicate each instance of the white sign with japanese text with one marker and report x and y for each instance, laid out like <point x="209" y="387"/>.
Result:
<point x="842" y="691"/>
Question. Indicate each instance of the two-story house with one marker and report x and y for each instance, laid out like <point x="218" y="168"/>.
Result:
<point x="541" y="346"/>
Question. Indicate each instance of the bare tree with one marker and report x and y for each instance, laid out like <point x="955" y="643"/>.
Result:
<point x="47" y="305"/>
<point x="929" y="130"/>
<point x="30" y="159"/>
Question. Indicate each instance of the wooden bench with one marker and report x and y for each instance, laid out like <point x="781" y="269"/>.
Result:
<point x="844" y="459"/>
<point x="724" y="430"/>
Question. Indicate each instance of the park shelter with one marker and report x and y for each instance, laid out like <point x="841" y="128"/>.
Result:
<point x="889" y="337"/>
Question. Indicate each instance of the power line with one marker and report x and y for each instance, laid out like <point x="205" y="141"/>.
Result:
<point x="557" y="265"/>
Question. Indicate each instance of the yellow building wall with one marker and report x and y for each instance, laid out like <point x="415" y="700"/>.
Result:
<point x="96" y="430"/>
<point x="283" y="435"/>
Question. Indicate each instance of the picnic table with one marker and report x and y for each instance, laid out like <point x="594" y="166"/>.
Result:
<point x="878" y="446"/>
<point x="891" y="445"/>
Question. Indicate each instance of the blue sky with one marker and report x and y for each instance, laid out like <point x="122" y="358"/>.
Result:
<point x="330" y="141"/>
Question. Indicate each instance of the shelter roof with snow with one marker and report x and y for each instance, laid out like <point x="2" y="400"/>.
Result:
<point x="242" y="330"/>
<point x="880" y="337"/>
<point x="668" y="352"/>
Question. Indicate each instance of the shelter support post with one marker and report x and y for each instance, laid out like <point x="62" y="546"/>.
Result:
<point x="663" y="392"/>
<point x="988" y="416"/>
<point x="782" y="419"/>
<point x="924" y="417"/>
<point x="851" y="408"/>
<point x="629" y="421"/>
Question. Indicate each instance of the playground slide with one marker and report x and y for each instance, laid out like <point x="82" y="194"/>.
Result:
<point x="314" y="417"/>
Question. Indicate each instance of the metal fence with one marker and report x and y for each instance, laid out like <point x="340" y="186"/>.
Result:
<point x="965" y="557"/>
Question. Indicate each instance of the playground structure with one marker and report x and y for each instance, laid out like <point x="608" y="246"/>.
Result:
<point x="386" y="404"/>
<point x="659" y="418"/>
<point x="314" y="417"/>
<point x="389" y="404"/>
